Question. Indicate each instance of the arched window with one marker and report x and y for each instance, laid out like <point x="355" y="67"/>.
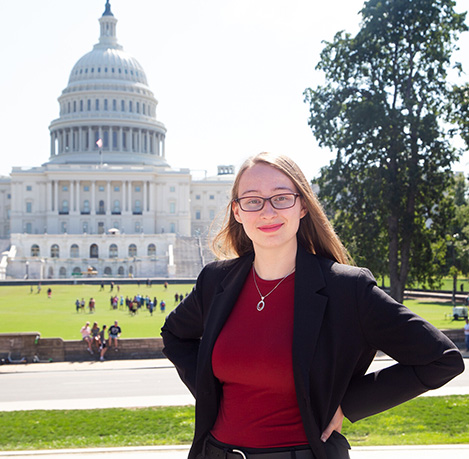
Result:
<point x="94" y="251"/>
<point x="74" y="251"/>
<point x="54" y="251"/>
<point x="62" y="272"/>
<point x="76" y="270"/>
<point x="151" y="252"/>
<point x="120" y="271"/>
<point x="131" y="270"/>
<point x="132" y="250"/>
<point x="35" y="252"/>
<point x="51" y="272"/>
<point x="113" y="251"/>
<point x="107" y="271"/>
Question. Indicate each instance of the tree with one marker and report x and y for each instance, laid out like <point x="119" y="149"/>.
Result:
<point x="457" y="235"/>
<point x="381" y="109"/>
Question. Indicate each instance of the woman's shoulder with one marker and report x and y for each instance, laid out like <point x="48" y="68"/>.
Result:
<point x="223" y="266"/>
<point x="335" y="269"/>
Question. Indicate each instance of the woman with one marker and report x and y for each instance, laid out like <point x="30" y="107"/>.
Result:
<point x="274" y="343"/>
<point x="95" y="335"/>
<point x="86" y="336"/>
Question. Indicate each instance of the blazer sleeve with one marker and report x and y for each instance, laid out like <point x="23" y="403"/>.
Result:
<point x="426" y="358"/>
<point x="182" y="332"/>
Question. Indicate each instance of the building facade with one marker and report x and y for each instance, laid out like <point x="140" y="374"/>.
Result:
<point x="106" y="202"/>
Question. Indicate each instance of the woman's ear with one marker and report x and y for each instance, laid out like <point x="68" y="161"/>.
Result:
<point x="235" y="209"/>
<point x="303" y="210"/>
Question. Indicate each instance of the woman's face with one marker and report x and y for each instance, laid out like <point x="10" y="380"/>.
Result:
<point x="268" y="228"/>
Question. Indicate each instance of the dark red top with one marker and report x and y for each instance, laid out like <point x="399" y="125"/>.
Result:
<point x="252" y="358"/>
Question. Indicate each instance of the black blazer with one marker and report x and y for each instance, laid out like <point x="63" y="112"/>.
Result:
<point x="341" y="318"/>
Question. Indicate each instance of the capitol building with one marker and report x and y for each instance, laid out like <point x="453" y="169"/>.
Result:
<point x="107" y="202"/>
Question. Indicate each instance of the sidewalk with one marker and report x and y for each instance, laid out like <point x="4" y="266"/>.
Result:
<point x="180" y="452"/>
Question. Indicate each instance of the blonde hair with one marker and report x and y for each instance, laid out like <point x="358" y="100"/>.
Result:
<point x="315" y="232"/>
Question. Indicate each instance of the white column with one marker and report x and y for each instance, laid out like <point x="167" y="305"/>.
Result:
<point x="140" y="143"/>
<point x="52" y="144"/>
<point x="157" y="144"/>
<point x="72" y="196"/>
<point x="151" y="197"/>
<point x="90" y="139"/>
<point x="129" y="196"/>
<point x="124" y="195"/>
<point x="119" y="139"/>
<point x="56" y="196"/>
<point x="108" y="197"/>
<point x="93" y="198"/>
<point x="110" y="138"/>
<point x="163" y="149"/>
<point x="77" y="203"/>
<point x="148" y="142"/>
<point x="49" y="196"/>
<point x="144" y="196"/>
<point x="80" y="139"/>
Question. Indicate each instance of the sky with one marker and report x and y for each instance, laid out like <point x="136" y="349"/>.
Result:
<point x="228" y="75"/>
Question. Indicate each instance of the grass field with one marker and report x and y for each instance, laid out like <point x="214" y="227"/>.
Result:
<point x="423" y="421"/>
<point x="24" y="311"/>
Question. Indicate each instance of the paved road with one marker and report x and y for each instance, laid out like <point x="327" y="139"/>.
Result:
<point x="117" y="384"/>
<point x="150" y="383"/>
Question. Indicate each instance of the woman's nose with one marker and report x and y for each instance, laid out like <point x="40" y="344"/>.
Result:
<point x="268" y="209"/>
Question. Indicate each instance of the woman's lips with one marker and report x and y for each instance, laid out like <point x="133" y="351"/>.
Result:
<point x="270" y="228"/>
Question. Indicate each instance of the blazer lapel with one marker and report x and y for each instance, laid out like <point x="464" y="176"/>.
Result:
<point x="309" y="310"/>
<point x="308" y="316"/>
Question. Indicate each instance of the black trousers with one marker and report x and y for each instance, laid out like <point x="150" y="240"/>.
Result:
<point x="337" y="447"/>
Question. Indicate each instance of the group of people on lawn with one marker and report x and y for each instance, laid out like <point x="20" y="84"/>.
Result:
<point x="95" y="336"/>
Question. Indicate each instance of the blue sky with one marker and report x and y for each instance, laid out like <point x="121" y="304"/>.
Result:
<point x="228" y="75"/>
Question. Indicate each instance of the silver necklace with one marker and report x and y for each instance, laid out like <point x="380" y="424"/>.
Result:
<point x="261" y="304"/>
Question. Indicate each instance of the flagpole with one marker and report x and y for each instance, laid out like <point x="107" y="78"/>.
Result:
<point x="99" y="144"/>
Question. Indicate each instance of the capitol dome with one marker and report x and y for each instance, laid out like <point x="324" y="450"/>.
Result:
<point x="107" y="110"/>
<point x="107" y="63"/>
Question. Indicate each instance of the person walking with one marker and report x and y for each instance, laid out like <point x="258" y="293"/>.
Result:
<point x="274" y="342"/>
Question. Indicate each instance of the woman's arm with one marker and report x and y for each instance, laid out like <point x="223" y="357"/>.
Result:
<point x="426" y="358"/>
<point x="181" y="335"/>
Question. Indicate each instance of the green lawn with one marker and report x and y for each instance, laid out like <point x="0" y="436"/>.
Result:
<point x="23" y="311"/>
<point x="423" y="421"/>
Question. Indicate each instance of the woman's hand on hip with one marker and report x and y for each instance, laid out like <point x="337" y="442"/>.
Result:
<point x="335" y="424"/>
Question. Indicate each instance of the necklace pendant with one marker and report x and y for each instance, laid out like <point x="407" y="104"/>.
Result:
<point x="260" y="305"/>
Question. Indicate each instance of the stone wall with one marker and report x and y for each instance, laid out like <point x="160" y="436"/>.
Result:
<point x="15" y="347"/>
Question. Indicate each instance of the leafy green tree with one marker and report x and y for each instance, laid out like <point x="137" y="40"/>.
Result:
<point x="381" y="109"/>
<point x="457" y="235"/>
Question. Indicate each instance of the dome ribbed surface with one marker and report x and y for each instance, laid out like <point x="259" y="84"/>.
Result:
<point x="107" y="63"/>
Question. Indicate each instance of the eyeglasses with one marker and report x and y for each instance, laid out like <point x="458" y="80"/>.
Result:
<point x="256" y="203"/>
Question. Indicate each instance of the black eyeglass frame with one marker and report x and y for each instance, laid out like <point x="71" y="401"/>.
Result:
<point x="238" y="201"/>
